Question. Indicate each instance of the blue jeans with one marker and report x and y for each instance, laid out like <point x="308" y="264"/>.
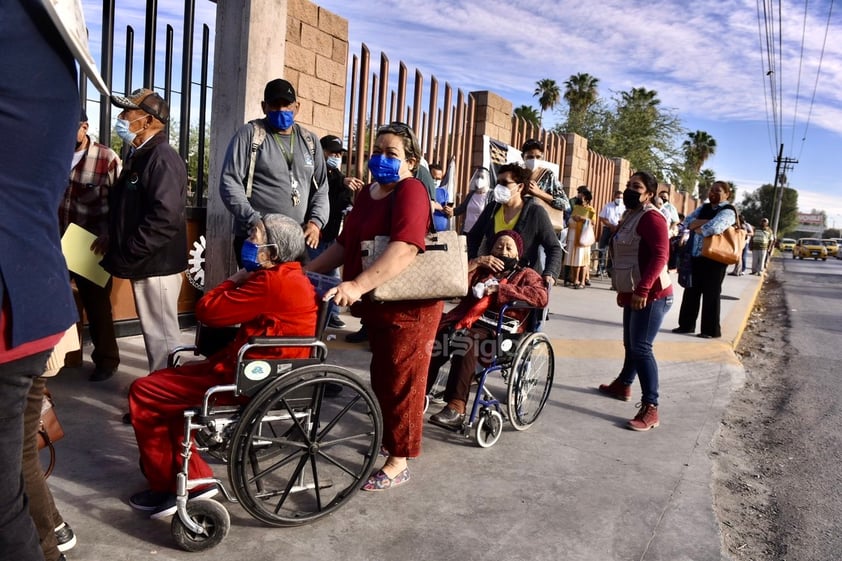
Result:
<point x="639" y="330"/>
<point x="312" y="254"/>
<point x="18" y="538"/>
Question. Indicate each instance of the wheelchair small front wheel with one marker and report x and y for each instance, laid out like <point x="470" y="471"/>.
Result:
<point x="489" y="428"/>
<point x="211" y="516"/>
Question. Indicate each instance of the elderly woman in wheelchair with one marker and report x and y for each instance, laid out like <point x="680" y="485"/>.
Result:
<point x="271" y="296"/>
<point x="486" y="330"/>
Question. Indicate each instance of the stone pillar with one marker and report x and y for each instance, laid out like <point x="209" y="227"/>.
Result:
<point x="493" y="118"/>
<point x="575" y="171"/>
<point x="622" y="172"/>
<point x="248" y="52"/>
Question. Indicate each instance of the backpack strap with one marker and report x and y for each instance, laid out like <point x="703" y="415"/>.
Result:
<point x="258" y="135"/>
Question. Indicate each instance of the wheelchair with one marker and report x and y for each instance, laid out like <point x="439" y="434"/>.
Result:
<point x="301" y="442"/>
<point x="526" y="363"/>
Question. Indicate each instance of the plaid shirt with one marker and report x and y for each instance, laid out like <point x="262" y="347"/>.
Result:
<point x="85" y="201"/>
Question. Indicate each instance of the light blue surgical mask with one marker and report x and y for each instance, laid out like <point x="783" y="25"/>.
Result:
<point x="334" y="161"/>
<point x="122" y="129"/>
<point x="384" y="169"/>
<point x="281" y="120"/>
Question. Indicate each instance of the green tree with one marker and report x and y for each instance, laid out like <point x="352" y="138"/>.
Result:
<point x="832" y="233"/>
<point x="759" y="204"/>
<point x="644" y="133"/>
<point x="528" y="114"/>
<point x="580" y="93"/>
<point x="548" y="94"/>
<point x="697" y="149"/>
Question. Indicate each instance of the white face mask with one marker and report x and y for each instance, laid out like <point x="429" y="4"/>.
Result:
<point x="437" y="182"/>
<point x="530" y="164"/>
<point x="618" y="201"/>
<point x="502" y="194"/>
<point x="334" y="161"/>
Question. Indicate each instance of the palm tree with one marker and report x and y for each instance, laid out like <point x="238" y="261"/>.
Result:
<point x="641" y="98"/>
<point x="580" y="92"/>
<point x="548" y="94"/>
<point x="698" y="148"/>
<point x="528" y="114"/>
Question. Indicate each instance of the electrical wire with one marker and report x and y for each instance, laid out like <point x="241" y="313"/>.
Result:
<point x="816" y="85"/>
<point x="800" y="65"/>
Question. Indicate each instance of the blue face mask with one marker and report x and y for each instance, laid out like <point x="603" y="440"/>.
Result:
<point x="121" y="127"/>
<point x="280" y="120"/>
<point x="385" y="170"/>
<point x="334" y="162"/>
<point x="248" y="256"/>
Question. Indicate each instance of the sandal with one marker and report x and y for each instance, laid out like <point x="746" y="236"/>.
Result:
<point x="379" y="481"/>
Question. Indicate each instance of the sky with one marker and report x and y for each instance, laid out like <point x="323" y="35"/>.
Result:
<point x="704" y="58"/>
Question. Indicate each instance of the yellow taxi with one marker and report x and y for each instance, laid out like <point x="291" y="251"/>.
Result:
<point x="809" y="247"/>
<point x="832" y="247"/>
<point x="786" y="244"/>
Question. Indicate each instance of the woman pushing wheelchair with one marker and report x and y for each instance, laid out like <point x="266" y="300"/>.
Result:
<point x="467" y="333"/>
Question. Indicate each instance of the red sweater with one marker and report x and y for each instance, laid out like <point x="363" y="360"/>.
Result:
<point x="652" y="258"/>
<point x="277" y="302"/>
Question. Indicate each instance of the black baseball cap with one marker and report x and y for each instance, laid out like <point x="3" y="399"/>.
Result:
<point x="279" y="90"/>
<point x="332" y="144"/>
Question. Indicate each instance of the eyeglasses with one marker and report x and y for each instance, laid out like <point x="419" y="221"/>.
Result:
<point x="395" y="127"/>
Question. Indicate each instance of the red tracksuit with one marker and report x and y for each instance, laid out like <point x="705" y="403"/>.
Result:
<point x="273" y="302"/>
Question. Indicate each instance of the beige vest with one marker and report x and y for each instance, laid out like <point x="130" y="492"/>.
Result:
<point x="625" y="273"/>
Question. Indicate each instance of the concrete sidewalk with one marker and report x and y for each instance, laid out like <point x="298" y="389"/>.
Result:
<point x="576" y="486"/>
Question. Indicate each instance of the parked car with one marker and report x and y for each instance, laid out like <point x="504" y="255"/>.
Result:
<point x="832" y="247"/>
<point x="838" y="242"/>
<point x="786" y="244"/>
<point x="809" y="247"/>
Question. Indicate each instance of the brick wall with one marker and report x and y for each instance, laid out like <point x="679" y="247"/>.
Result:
<point x="316" y="65"/>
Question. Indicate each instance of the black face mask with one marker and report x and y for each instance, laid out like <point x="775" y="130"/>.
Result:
<point x="509" y="263"/>
<point x="631" y="199"/>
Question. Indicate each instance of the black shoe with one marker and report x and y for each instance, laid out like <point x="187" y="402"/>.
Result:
<point x="149" y="500"/>
<point x="707" y="336"/>
<point x="65" y="538"/>
<point x="168" y="508"/>
<point x="127" y="419"/>
<point x="62" y="557"/>
<point x="101" y="373"/>
<point x="360" y="336"/>
<point x="335" y="322"/>
<point x="448" y="418"/>
<point x="682" y="330"/>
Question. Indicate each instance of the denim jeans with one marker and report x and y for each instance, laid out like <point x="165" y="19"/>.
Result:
<point x="639" y="330"/>
<point x="18" y="537"/>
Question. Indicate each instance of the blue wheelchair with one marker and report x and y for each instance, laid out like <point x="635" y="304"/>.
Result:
<point x="299" y="437"/>
<point x="525" y="360"/>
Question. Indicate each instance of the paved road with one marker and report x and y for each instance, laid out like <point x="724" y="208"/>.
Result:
<point x="808" y="495"/>
<point x="576" y="486"/>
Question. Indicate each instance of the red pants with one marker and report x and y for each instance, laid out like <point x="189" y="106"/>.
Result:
<point x="157" y="403"/>
<point x="401" y="336"/>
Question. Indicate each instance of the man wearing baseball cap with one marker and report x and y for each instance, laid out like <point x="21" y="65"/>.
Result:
<point x="147" y="225"/>
<point x="273" y="165"/>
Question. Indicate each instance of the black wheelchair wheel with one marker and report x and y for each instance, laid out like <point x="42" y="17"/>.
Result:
<point x="211" y="516"/>
<point x="297" y="454"/>
<point x="488" y="429"/>
<point x="530" y="380"/>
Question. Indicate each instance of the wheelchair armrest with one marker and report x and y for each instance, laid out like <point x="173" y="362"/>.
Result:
<point x="518" y="304"/>
<point x="282" y="341"/>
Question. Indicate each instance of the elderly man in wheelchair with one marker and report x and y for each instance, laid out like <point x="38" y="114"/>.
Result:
<point x="271" y="296"/>
<point x="485" y="333"/>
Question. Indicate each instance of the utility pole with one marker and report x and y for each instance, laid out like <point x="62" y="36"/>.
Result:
<point x="778" y="195"/>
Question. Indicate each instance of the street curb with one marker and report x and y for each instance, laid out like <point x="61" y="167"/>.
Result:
<point x="747" y="314"/>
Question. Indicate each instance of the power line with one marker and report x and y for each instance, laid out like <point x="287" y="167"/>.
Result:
<point x="818" y="72"/>
<point x="800" y="63"/>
